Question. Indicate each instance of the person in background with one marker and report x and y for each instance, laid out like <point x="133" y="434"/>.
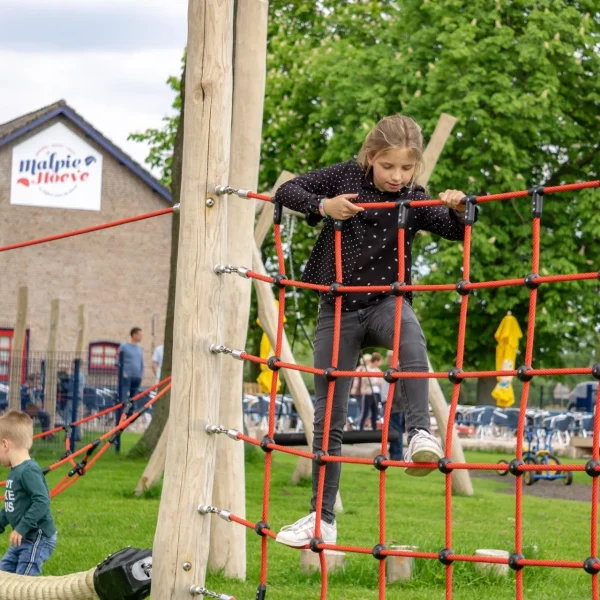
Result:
<point x="133" y="363"/>
<point x="157" y="361"/>
<point x="26" y="500"/>
<point x="397" y="416"/>
<point x="369" y="389"/>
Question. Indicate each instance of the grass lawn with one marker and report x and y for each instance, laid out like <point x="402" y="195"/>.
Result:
<point x="99" y="515"/>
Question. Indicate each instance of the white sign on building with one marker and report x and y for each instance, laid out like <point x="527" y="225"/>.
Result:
<point x="56" y="169"/>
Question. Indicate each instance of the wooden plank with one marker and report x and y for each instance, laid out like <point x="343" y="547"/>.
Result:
<point x="183" y="536"/>
<point x="80" y="346"/>
<point x="156" y="465"/>
<point x="461" y="480"/>
<point x="228" y="544"/>
<point x="18" y="342"/>
<point x="268" y="314"/>
<point x="438" y="140"/>
<point x="81" y="343"/>
<point x="265" y="220"/>
<point x="51" y="362"/>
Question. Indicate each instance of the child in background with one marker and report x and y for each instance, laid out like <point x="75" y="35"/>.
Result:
<point x="26" y="500"/>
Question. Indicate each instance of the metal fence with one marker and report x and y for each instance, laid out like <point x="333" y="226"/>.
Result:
<point x="80" y="391"/>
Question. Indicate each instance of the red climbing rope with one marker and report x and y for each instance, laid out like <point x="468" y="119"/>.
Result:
<point x="61" y="236"/>
<point x="446" y="555"/>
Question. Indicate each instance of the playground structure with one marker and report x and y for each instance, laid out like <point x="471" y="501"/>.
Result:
<point x="181" y="551"/>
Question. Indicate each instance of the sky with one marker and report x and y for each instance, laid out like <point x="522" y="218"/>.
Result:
<point x="109" y="59"/>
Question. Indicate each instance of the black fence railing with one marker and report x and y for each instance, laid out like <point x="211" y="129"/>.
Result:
<point x="81" y="390"/>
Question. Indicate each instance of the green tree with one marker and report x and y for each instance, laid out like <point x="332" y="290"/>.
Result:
<point x="522" y="79"/>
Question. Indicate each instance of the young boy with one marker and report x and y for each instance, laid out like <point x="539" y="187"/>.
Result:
<point x="26" y="499"/>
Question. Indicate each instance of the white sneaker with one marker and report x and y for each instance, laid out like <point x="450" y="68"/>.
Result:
<point x="423" y="448"/>
<point x="302" y="531"/>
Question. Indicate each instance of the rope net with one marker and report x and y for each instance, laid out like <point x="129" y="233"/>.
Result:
<point x="446" y="555"/>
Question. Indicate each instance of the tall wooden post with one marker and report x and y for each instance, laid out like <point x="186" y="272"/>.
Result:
<point x="227" y="543"/>
<point x="16" y="361"/>
<point x="81" y="331"/>
<point x="51" y="364"/>
<point x="80" y="346"/>
<point x="181" y="542"/>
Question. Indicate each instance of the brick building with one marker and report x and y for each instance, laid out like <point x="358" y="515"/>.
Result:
<point x="58" y="173"/>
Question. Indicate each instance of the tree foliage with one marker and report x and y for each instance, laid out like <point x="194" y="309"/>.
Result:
<point x="521" y="76"/>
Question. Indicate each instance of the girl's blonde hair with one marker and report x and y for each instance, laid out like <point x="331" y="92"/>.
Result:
<point x="395" y="131"/>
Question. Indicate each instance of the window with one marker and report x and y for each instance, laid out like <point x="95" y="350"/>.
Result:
<point x="5" y="346"/>
<point x="6" y="342"/>
<point x="103" y="355"/>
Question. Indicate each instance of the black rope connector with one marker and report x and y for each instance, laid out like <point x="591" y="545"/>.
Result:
<point x="590" y="468"/>
<point x="113" y="438"/>
<point x="278" y="279"/>
<point x="591" y="565"/>
<point x="338" y="225"/>
<point x="513" y="467"/>
<point x="334" y="289"/>
<point x="67" y="453"/>
<point x="444" y="556"/>
<point x="596" y="371"/>
<point x="264" y="444"/>
<point x="261" y="592"/>
<point x="530" y="281"/>
<point x="377" y="551"/>
<point x="389" y="375"/>
<point x="271" y="363"/>
<point x="319" y="454"/>
<point x="404" y="206"/>
<point x="453" y="375"/>
<point x="329" y="374"/>
<point x="260" y="528"/>
<point x="314" y="544"/>
<point x="277" y="211"/>
<point x="443" y="465"/>
<point x="513" y="561"/>
<point x="460" y="287"/>
<point x="397" y="288"/>
<point x="522" y="373"/>
<point x="378" y="462"/>
<point x="78" y="469"/>
<point x="45" y="470"/>
<point x="537" y="200"/>
<point x="472" y="209"/>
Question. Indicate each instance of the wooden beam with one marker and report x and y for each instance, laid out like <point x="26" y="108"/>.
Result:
<point x="80" y="346"/>
<point x="438" y="140"/>
<point x="461" y="479"/>
<point x="51" y="362"/>
<point x="81" y="343"/>
<point x="265" y="220"/>
<point x="227" y="544"/>
<point x="181" y="543"/>
<point x="156" y="465"/>
<point x="18" y="343"/>
<point x="268" y="315"/>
